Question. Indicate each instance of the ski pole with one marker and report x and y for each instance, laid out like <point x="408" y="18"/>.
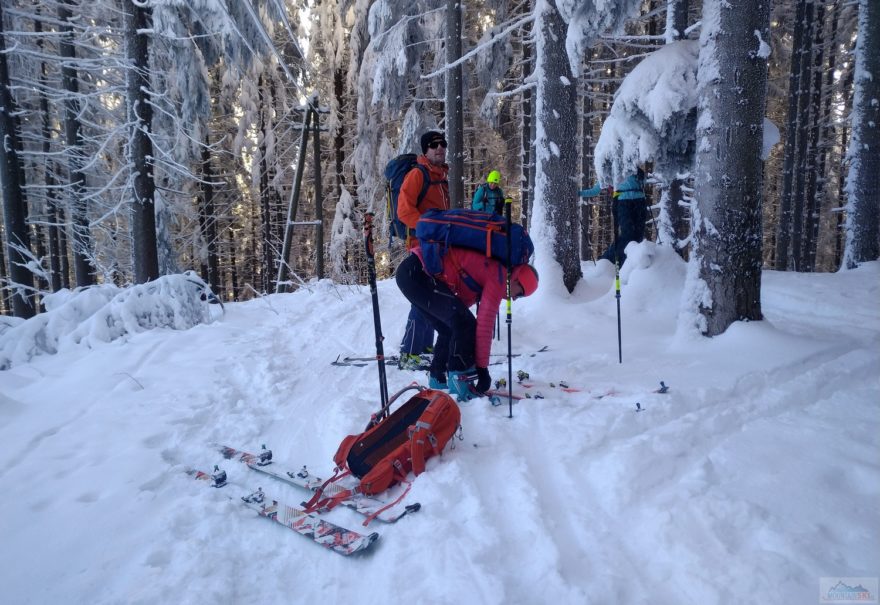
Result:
<point x="377" y="320"/>
<point x="508" y="205"/>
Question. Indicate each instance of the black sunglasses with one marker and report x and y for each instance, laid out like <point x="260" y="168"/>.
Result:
<point x="436" y="144"/>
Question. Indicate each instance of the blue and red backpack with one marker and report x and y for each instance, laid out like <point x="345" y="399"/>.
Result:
<point x="437" y="230"/>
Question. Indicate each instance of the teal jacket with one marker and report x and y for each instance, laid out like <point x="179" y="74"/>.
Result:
<point x="631" y="188"/>
<point x="488" y="200"/>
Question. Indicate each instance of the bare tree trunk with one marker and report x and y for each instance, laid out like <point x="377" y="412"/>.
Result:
<point x="319" y="196"/>
<point x="674" y="223"/>
<point x="14" y="210"/>
<point x="724" y="280"/>
<point x="339" y="135"/>
<point x="209" y="220"/>
<point x="783" y="237"/>
<point x="54" y="233"/>
<point x="585" y="128"/>
<point x="800" y="164"/>
<point x="863" y="181"/>
<point x="526" y="138"/>
<point x="454" y="102"/>
<point x="265" y="125"/>
<point x="140" y="116"/>
<point x="813" y="195"/>
<point x="78" y="207"/>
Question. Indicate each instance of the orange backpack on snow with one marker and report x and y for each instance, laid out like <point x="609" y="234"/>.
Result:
<point x="391" y="447"/>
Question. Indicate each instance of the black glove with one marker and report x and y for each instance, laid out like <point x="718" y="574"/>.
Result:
<point x="484" y="381"/>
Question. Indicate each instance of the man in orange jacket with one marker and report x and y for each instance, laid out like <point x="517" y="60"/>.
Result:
<point x="419" y="335"/>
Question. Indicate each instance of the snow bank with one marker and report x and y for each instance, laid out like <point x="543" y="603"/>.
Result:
<point x="105" y="313"/>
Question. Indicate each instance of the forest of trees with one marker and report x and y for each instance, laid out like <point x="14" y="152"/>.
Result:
<point x="245" y="139"/>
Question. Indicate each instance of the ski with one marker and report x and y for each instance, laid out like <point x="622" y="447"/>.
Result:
<point x="524" y="380"/>
<point x="329" y="535"/>
<point x="369" y="506"/>
<point x="392" y="360"/>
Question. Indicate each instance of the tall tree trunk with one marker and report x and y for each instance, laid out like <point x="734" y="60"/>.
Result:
<point x="863" y="180"/>
<point x="319" y="196"/>
<point x="800" y="164"/>
<point x="526" y="137"/>
<point x="14" y="210"/>
<point x="454" y="102"/>
<point x="54" y="233"/>
<point x="140" y="116"/>
<point x="339" y="135"/>
<point x="585" y="128"/>
<point x="724" y="277"/>
<point x="783" y="228"/>
<point x="208" y="220"/>
<point x="556" y="196"/>
<point x="78" y="206"/>
<point x="674" y="221"/>
<point x="5" y="302"/>
<point x="813" y="195"/>
<point x="268" y="273"/>
<point x="828" y="132"/>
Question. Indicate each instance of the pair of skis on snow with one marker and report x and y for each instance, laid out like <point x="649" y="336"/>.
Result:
<point x="309" y="524"/>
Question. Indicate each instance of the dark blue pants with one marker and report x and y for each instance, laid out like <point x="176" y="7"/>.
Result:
<point x="456" y="326"/>
<point x="419" y="335"/>
<point x="630" y="216"/>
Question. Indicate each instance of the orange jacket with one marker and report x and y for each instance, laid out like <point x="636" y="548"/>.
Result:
<point x="437" y="195"/>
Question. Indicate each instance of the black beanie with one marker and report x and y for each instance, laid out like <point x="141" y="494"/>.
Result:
<point x="430" y="137"/>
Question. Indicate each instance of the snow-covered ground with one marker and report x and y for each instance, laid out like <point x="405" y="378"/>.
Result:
<point x="756" y="475"/>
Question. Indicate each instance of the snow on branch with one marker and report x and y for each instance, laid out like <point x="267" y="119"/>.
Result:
<point x="653" y="117"/>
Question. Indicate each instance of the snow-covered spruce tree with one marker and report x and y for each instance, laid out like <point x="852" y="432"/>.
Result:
<point x="555" y="217"/>
<point x="404" y="44"/>
<point x="563" y="31"/>
<point x="863" y="181"/>
<point x="724" y="272"/>
<point x="653" y="119"/>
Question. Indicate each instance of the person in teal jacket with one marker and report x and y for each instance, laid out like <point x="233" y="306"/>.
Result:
<point x="488" y="197"/>
<point x="630" y="212"/>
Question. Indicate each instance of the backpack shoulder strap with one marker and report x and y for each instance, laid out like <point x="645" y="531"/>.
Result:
<point x="426" y="182"/>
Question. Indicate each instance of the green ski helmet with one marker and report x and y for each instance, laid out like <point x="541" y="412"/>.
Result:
<point x="494" y="177"/>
